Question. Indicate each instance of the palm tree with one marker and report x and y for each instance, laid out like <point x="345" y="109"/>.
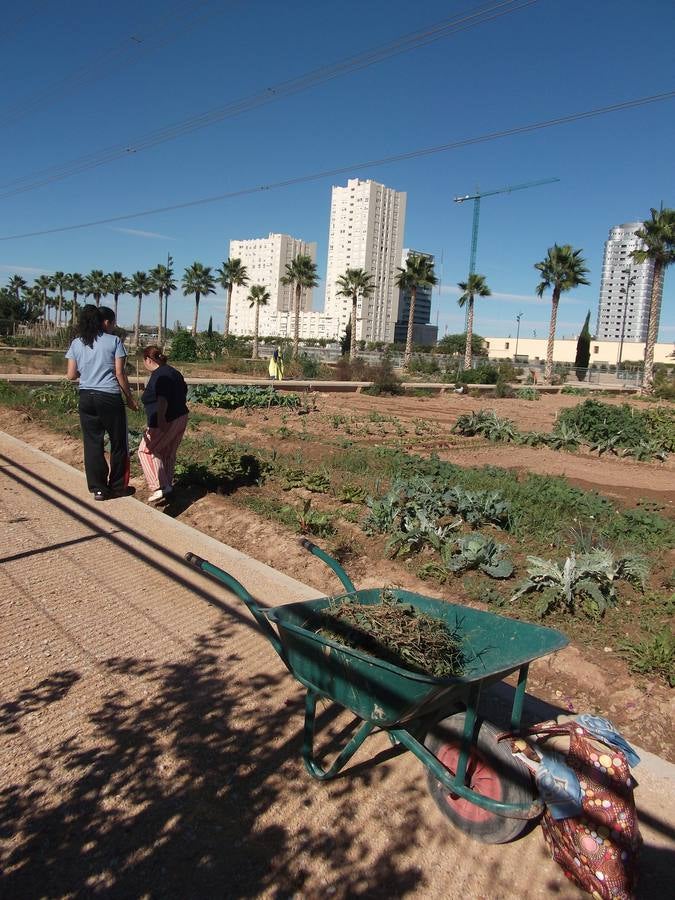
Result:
<point x="162" y="282"/>
<point x="167" y="293"/>
<point x="42" y="285"/>
<point x="96" y="285"/>
<point x="258" y="296"/>
<point x="232" y="273"/>
<point x="474" y="287"/>
<point x="139" y="286"/>
<point x="76" y="284"/>
<point x="198" y="280"/>
<point x="355" y="283"/>
<point x="59" y="280"/>
<point x="117" y="284"/>
<point x="301" y="273"/>
<point x="563" y="269"/>
<point x="658" y="234"/>
<point x="418" y="272"/>
<point x="16" y="285"/>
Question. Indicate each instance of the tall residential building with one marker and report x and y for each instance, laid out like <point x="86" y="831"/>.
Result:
<point x="423" y="333"/>
<point x="265" y="260"/>
<point x="616" y="311"/>
<point x="366" y="232"/>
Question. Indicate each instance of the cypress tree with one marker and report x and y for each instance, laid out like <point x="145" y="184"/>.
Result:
<point x="583" y="356"/>
<point x="210" y="328"/>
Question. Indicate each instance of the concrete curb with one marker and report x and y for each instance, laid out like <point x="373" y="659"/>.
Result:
<point x="221" y="551"/>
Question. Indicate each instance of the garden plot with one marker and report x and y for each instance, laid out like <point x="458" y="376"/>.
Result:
<point x="256" y="477"/>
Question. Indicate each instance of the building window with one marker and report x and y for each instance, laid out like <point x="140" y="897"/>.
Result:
<point x="596" y="349"/>
<point x="506" y="345"/>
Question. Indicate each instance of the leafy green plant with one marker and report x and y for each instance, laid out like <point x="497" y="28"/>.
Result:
<point x="528" y="393"/>
<point x="316" y="482"/>
<point x="532" y="438"/>
<point x="475" y="551"/>
<point x="225" y="468"/>
<point x="310" y="521"/>
<point x="233" y="396"/>
<point x="486" y="423"/>
<point x="576" y="391"/>
<point x="62" y="397"/>
<point x="352" y="493"/>
<point x="654" y="655"/>
<point x="623" y="426"/>
<point x="565" y="437"/>
<point x="583" y="582"/>
<point x="503" y="389"/>
<point x="183" y="347"/>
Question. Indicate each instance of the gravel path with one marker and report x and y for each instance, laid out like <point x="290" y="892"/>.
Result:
<point x="150" y="738"/>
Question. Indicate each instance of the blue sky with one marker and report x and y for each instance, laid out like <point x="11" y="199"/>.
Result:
<point x="85" y="75"/>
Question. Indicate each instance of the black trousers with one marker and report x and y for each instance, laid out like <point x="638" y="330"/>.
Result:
<point x="102" y="413"/>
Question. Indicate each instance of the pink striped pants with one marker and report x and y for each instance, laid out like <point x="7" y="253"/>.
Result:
<point x="157" y="453"/>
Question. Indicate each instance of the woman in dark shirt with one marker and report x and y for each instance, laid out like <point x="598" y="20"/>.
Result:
<point x="166" y="412"/>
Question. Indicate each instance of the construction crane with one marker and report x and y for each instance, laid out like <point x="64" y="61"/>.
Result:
<point x="477" y="197"/>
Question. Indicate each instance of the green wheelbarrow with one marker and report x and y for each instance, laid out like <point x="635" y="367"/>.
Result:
<point x="474" y="779"/>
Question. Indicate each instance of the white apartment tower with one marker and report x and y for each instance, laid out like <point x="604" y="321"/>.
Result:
<point x="265" y="260"/>
<point x="366" y="232"/>
<point x="623" y="310"/>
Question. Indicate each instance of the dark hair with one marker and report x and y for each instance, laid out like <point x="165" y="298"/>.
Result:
<point x="90" y="324"/>
<point x="107" y="314"/>
<point x="154" y="353"/>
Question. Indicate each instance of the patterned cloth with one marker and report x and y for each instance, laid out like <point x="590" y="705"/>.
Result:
<point x="597" y="848"/>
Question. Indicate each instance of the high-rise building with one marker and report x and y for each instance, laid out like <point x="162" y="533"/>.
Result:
<point x="366" y="232"/>
<point x="624" y="305"/>
<point x="265" y="260"/>
<point x="423" y="333"/>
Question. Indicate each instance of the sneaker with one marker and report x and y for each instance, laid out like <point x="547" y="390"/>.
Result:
<point x="156" y="496"/>
<point x="123" y="492"/>
<point x="100" y="495"/>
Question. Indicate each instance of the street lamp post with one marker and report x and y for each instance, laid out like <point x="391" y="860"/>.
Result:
<point x="518" y="318"/>
<point x="630" y="281"/>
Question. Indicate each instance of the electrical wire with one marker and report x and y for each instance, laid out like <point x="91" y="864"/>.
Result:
<point x="158" y="36"/>
<point x="404" y="44"/>
<point x="341" y="170"/>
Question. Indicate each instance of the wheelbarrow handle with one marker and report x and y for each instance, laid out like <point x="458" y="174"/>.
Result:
<point x="237" y="588"/>
<point x="332" y="563"/>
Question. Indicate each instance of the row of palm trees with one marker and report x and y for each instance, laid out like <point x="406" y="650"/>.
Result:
<point x="561" y="270"/>
<point x="198" y="280"/>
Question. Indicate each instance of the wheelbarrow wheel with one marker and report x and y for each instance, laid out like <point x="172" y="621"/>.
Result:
<point x="491" y="771"/>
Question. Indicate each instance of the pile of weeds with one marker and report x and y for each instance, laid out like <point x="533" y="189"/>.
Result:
<point x="396" y="633"/>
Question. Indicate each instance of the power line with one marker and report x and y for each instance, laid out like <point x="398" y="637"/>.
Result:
<point x="406" y="43"/>
<point x="341" y="170"/>
<point x="159" y="35"/>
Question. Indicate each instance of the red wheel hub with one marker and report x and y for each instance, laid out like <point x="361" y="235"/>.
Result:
<point x="480" y="777"/>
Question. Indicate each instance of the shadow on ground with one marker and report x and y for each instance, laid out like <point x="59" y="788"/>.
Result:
<point x="168" y="797"/>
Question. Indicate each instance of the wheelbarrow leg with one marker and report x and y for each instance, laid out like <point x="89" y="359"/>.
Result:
<point x="312" y="766"/>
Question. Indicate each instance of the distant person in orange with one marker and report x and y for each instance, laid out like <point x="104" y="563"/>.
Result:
<point x="167" y="413"/>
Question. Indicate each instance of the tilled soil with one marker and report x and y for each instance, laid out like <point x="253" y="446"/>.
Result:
<point x="580" y="679"/>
